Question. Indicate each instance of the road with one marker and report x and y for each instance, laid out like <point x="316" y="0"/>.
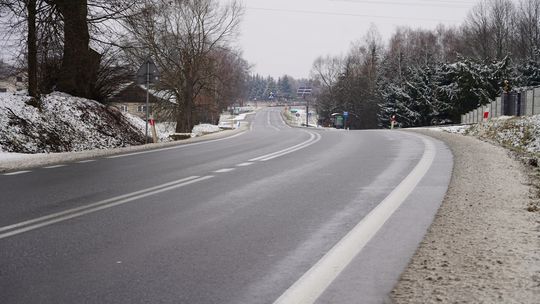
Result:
<point x="271" y="215"/>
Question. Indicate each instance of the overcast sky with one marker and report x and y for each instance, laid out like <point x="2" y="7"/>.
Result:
<point x="285" y="36"/>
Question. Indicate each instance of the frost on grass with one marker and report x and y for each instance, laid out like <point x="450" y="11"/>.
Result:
<point x="518" y="133"/>
<point x="521" y="135"/>
<point x="62" y="124"/>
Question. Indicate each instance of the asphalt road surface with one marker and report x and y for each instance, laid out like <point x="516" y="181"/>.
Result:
<point x="271" y="215"/>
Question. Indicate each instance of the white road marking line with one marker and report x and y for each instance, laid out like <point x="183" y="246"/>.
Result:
<point x="244" y="164"/>
<point x="54" y="167"/>
<point x="86" y="161"/>
<point x="269" y="123"/>
<point x="108" y="203"/>
<point x="283" y="121"/>
<point x="317" y="279"/>
<point x="318" y="137"/>
<point x="225" y="170"/>
<point x="16" y="173"/>
<point x="175" y="147"/>
<point x="313" y="137"/>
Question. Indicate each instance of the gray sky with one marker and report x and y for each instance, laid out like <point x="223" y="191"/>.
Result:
<point x="285" y="36"/>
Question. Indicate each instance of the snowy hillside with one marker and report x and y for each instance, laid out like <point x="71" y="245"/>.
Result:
<point x="64" y="123"/>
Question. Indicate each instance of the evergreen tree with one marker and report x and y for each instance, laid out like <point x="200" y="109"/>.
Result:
<point x="284" y="86"/>
<point x="466" y="84"/>
<point x="528" y="73"/>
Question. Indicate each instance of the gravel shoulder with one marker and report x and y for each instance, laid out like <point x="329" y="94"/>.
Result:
<point x="483" y="245"/>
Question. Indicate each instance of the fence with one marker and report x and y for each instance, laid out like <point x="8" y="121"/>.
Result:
<point x="521" y="103"/>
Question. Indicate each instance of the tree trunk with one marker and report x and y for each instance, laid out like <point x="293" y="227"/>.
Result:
<point x="80" y="63"/>
<point x="184" y="117"/>
<point x="32" y="50"/>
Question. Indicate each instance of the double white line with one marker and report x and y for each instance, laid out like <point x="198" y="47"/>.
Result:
<point x="47" y="220"/>
<point x="313" y="138"/>
<point x="50" y="219"/>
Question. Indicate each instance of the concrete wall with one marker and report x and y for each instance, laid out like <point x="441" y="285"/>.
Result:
<point x="529" y="110"/>
<point x="530" y="106"/>
<point x="536" y="99"/>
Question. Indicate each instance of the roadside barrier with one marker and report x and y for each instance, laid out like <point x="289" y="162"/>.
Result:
<point x="519" y="103"/>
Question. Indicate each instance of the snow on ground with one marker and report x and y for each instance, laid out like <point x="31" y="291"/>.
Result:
<point x="518" y="133"/>
<point x="204" y="129"/>
<point x="65" y="123"/>
<point x="7" y="156"/>
<point x="454" y="129"/>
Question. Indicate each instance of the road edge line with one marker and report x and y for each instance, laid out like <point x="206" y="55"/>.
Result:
<point x="318" y="278"/>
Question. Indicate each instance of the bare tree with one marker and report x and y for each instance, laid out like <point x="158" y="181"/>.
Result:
<point x="502" y="23"/>
<point x="327" y="70"/>
<point x="181" y="36"/>
<point x="528" y="23"/>
<point x="478" y="31"/>
<point x="232" y="72"/>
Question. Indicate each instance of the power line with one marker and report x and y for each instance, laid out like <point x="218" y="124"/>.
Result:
<point x="446" y="4"/>
<point x="345" y="14"/>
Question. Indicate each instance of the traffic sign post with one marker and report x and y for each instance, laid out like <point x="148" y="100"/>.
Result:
<point x="304" y="92"/>
<point x="147" y="74"/>
<point x="345" y="117"/>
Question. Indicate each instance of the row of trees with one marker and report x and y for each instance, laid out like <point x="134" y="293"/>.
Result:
<point x="267" y="88"/>
<point x="89" y="48"/>
<point x="430" y="77"/>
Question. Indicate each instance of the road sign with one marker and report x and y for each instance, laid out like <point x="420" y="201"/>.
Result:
<point x="148" y="72"/>
<point x="346" y="114"/>
<point x="303" y="91"/>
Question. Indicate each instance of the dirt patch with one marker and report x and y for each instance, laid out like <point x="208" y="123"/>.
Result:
<point x="483" y="246"/>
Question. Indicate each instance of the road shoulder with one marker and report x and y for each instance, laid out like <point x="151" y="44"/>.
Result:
<point x="47" y="159"/>
<point x="482" y="246"/>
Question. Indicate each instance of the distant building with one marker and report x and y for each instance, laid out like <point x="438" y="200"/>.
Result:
<point x="11" y="81"/>
<point x="131" y="98"/>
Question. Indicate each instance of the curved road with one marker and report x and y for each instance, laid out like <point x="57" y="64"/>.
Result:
<point x="273" y="215"/>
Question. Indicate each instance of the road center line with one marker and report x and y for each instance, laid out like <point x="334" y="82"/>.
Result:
<point x="176" y="147"/>
<point x="244" y="164"/>
<point x="55" y="166"/>
<point x="317" y="279"/>
<point x="104" y="204"/>
<point x="86" y="161"/>
<point x="312" y="139"/>
<point x="269" y="123"/>
<point x="317" y="138"/>
<point x="225" y="170"/>
<point x="16" y="173"/>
